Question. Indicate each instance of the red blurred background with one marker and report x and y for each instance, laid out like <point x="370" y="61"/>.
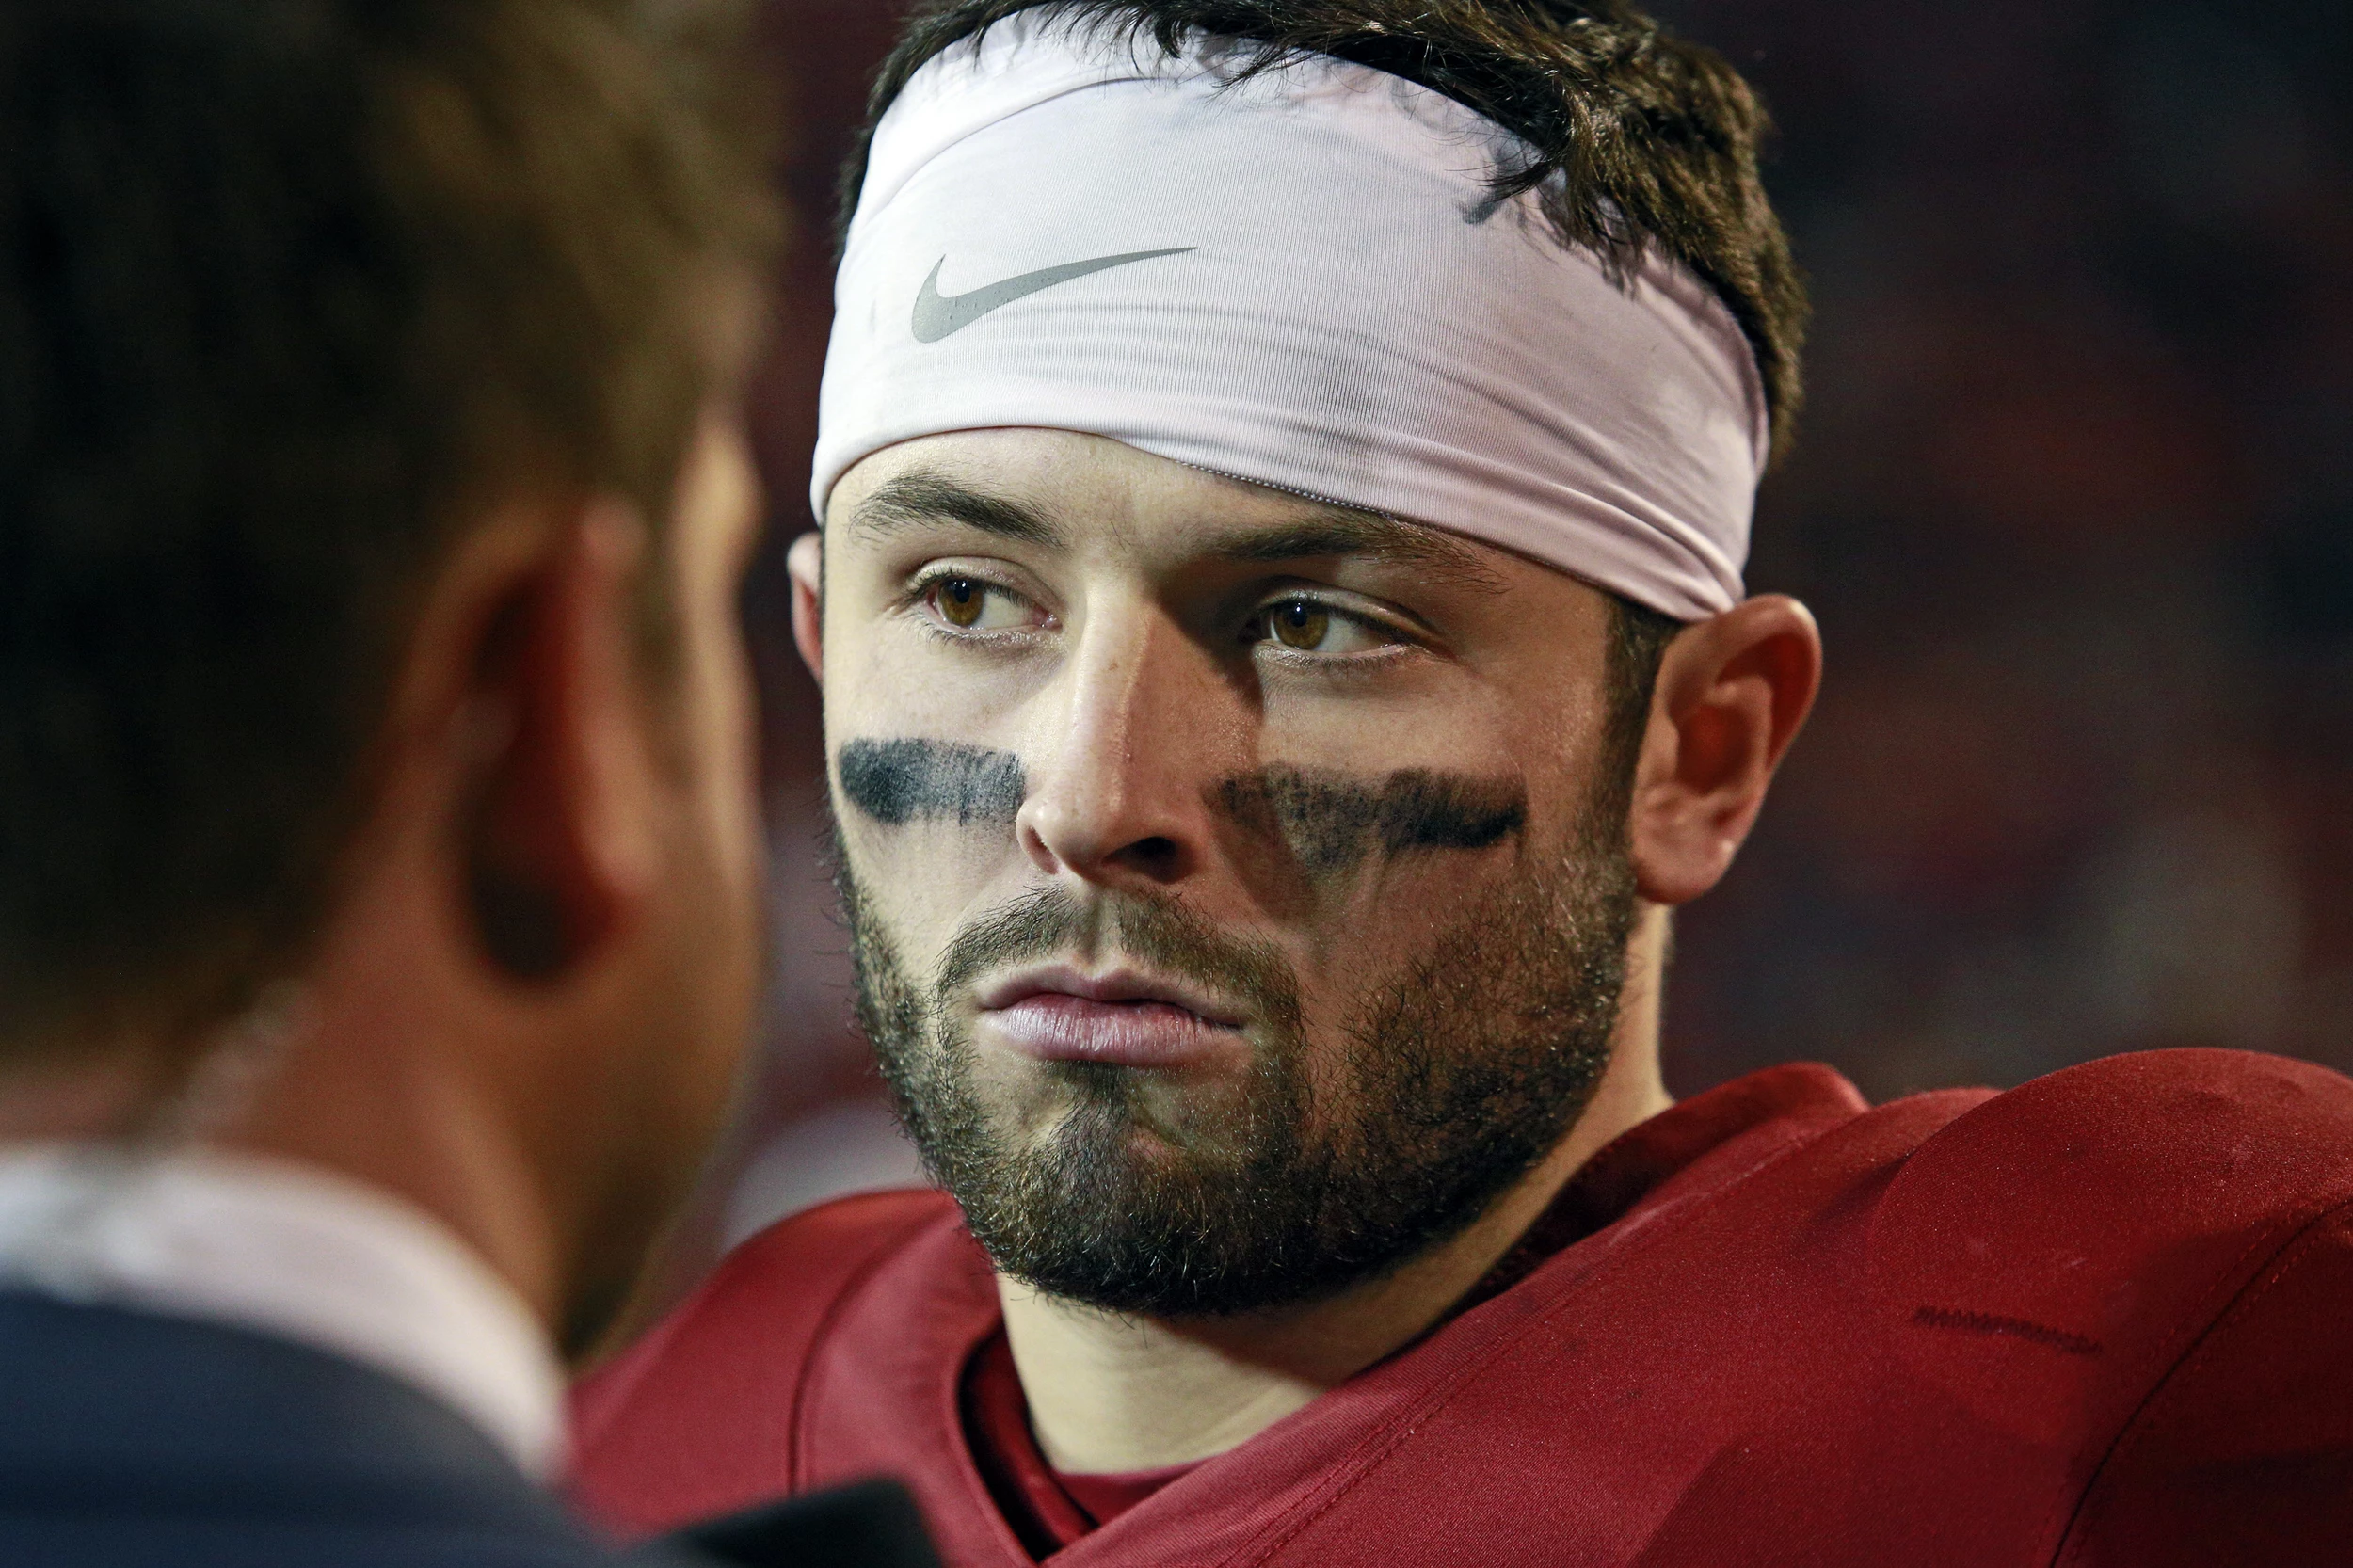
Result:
<point x="2073" y="501"/>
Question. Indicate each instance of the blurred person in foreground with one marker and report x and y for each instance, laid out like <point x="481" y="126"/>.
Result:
<point x="379" y="864"/>
<point x="1285" y="471"/>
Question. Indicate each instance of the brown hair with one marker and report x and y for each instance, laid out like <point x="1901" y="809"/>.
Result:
<point x="287" y="289"/>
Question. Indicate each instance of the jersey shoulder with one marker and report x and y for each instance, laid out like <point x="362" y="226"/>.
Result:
<point x="2150" y="1254"/>
<point x="2156" y="1163"/>
<point x="2096" y="1319"/>
<point x="730" y="1358"/>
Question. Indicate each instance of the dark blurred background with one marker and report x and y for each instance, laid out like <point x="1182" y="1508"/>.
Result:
<point x="2073" y="499"/>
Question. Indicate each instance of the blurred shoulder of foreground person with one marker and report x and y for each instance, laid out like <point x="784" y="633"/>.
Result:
<point x="378" y="861"/>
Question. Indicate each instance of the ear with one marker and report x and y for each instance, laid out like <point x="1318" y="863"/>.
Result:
<point x="559" y="800"/>
<point x="806" y="561"/>
<point x="1733" y="692"/>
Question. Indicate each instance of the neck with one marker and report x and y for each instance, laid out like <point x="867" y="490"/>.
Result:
<point x="107" y="1098"/>
<point x="402" y="1129"/>
<point x="1108" y="1393"/>
<point x="376" y="1081"/>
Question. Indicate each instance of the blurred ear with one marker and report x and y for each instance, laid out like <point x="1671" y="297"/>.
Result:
<point x="1732" y="694"/>
<point x="557" y="800"/>
<point x="806" y="562"/>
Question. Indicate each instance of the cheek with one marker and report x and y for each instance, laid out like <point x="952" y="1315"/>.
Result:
<point x="885" y="677"/>
<point x="715" y="530"/>
<point x="923" y="880"/>
<point x="714" y="900"/>
<point x="1375" y="945"/>
<point x="721" y="858"/>
<point x="724" y="925"/>
<point x="725" y="738"/>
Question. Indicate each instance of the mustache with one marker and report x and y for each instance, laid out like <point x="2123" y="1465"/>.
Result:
<point x="1159" y="931"/>
<point x="1330" y="820"/>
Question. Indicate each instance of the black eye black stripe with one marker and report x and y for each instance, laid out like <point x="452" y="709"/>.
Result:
<point x="1333" y="821"/>
<point x="1330" y="821"/>
<point x="903" y="781"/>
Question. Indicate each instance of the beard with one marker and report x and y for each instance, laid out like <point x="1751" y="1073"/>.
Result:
<point x="1454" y="1076"/>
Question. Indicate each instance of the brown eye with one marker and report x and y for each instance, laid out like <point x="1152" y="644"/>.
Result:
<point x="961" y="600"/>
<point x="1300" y="623"/>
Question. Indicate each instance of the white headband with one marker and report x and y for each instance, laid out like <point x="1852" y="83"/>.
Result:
<point x="1299" y="279"/>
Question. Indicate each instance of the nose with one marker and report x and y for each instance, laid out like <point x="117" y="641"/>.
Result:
<point x="1118" y="796"/>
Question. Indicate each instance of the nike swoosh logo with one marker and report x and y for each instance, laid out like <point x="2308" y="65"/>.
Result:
<point x="937" y="314"/>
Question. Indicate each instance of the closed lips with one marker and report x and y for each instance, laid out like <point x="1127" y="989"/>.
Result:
<point x="1112" y="1021"/>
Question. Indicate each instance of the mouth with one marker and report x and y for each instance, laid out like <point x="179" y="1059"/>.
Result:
<point x="1121" y="1018"/>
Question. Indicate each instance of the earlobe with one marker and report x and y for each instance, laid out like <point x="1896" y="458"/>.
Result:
<point x="805" y="560"/>
<point x="555" y="828"/>
<point x="1732" y="694"/>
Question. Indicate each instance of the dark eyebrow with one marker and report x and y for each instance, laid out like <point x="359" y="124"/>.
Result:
<point x="921" y="497"/>
<point x="1344" y="531"/>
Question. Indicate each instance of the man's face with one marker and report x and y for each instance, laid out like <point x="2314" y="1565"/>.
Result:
<point x="1237" y="883"/>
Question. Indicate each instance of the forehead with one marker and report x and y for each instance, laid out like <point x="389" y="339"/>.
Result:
<point x="1079" y="495"/>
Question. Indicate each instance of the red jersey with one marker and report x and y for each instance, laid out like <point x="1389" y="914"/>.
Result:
<point x="2105" y="1318"/>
